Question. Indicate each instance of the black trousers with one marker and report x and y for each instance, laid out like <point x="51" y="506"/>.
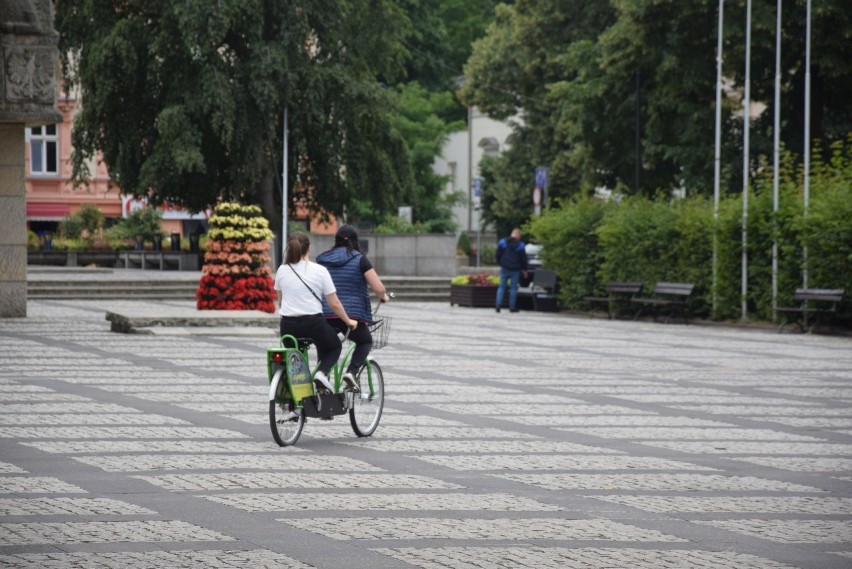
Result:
<point x="363" y="343"/>
<point x="315" y="327"/>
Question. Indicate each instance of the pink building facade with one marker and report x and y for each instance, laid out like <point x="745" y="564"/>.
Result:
<point x="51" y="194"/>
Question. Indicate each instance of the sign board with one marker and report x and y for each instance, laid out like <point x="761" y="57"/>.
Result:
<point x="129" y="204"/>
<point x="477" y="192"/>
<point x="542" y="176"/>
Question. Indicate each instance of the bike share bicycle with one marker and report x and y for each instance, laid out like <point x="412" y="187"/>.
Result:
<point x="293" y="396"/>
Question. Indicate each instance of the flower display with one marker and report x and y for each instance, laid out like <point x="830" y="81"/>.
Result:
<point x="478" y="279"/>
<point x="236" y="274"/>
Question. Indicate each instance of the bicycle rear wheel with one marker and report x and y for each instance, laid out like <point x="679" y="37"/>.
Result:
<point x="285" y="419"/>
<point x="367" y="409"/>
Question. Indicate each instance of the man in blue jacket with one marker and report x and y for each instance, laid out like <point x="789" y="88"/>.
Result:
<point x="512" y="257"/>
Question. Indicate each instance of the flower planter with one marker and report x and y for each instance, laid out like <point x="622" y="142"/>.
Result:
<point x="476" y="296"/>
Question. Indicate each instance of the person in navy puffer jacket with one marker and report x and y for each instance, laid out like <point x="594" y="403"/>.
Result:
<point x="512" y="257"/>
<point x="352" y="273"/>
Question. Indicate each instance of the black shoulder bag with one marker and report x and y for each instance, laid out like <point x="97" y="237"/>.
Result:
<point x="306" y="284"/>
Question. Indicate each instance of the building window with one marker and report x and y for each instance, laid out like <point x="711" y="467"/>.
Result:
<point x="44" y="154"/>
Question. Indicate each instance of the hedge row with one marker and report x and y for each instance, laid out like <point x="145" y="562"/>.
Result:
<point x="590" y="242"/>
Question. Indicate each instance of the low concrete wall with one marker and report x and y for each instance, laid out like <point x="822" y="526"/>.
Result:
<point x="406" y="255"/>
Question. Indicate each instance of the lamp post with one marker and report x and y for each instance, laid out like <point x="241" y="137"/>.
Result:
<point x="776" y="158"/>
<point x="746" y="127"/>
<point x="717" y="155"/>
<point x="284" y="196"/>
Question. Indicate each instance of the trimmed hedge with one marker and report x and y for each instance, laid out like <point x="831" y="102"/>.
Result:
<point x="589" y="242"/>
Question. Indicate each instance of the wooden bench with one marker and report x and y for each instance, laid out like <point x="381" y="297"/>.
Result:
<point x="673" y="297"/>
<point x="827" y="300"/>
<point x="542" y="291"/>
<point x="619" y="295"/>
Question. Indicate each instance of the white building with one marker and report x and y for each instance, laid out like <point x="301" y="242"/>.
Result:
<point x="460" y="161"/>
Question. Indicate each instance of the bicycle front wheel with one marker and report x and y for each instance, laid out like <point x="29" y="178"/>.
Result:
<point x="368" y="405"/>
<point x="285" y="419"/>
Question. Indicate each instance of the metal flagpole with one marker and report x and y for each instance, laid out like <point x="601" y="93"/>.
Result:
<point x="746" y="125"/>
<point x="717" y="156"/>
<point x="807" y="172"/>
<point x="284" y="197"/>
<point x="776" y="160"/>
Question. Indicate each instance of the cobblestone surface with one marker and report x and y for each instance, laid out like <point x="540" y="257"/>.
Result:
<point x="561" y="462"/>
<point x="663" y="481"/>
<point x="791" y="531"/>
<point x="131" y="463"/>
<point x="236" y="480"/>
<point x="744" y="504"/>
<point x="565" y="558"/>
<point x="518" y="441"/>
<point x="481" y="447"/>
<point x="69" y="506"/>
<point x="499" y="529"/>
<point x="259" y="559"/>
<point x="104" y="532"/>
<point x="383" y="502"/>
<point x="36" y="485"/>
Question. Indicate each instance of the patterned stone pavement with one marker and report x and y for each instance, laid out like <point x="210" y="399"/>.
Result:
<point x="508" y="441"/>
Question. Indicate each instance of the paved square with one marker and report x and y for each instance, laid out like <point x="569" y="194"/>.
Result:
<point x="526" y="440"/>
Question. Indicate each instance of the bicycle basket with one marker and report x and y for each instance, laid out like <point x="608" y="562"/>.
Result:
<point x="380" y="329"/>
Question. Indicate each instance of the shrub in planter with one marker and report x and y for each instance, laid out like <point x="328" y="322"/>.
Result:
<point x="236" y="275"/>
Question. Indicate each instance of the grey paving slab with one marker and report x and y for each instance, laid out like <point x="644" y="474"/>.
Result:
<point x="509" y="440"/>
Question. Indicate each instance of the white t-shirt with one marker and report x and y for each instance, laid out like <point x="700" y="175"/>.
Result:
<point x="296" y="299"/>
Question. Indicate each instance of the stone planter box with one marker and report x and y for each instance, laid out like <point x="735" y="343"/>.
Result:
<point x="476" y="296"/>
<point x="53" y="258"/>
<point x="73" y="258"/>
<point x="97" y="258"/>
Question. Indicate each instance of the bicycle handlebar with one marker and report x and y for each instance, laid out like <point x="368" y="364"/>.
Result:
<point x="379" y="303"/>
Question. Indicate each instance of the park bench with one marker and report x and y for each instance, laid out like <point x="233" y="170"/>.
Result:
<point x="826" y="300"/>
<point x="542" y="291"/>
<point x="619" y="295"/>
<point x="670" y="297"/>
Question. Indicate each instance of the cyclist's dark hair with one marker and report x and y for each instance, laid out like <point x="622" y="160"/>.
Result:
<point x="347" y="237"/>
<point x="297" y="246"/>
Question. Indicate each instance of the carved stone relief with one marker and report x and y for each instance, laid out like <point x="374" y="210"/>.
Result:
<point x="30" y="74"/>
<point x="28" y="62"/>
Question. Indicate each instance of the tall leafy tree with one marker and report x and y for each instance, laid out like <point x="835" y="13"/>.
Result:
<point x="587" y="76"/>
<point x="426" y="132"/>
<point x="185" y="99"/>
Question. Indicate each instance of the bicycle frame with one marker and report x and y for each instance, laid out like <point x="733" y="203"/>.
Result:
<point x="299" y="376"/>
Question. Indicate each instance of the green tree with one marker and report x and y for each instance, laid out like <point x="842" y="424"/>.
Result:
<point x="144" y="222"/>
<point x="419" y="121"/>
<point x="185" y="99"/>
<point x="571" y="67"/>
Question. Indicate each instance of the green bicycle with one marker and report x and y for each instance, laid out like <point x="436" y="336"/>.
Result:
<point x="293" y="397"/>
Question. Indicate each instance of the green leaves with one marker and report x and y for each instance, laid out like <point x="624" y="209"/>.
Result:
<point x="589" y="77"/>
<point x="185" y="99"/>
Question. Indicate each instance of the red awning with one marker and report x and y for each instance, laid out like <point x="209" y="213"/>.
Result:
<point x="47" y="211"/>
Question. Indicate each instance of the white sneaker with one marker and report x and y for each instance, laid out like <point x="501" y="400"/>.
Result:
<point x="323" y="381"/>
<point x="351" y="383"/>
<point x="292" y="415"/>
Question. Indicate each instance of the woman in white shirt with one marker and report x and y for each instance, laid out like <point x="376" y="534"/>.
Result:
<point x="301" y="284"/>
